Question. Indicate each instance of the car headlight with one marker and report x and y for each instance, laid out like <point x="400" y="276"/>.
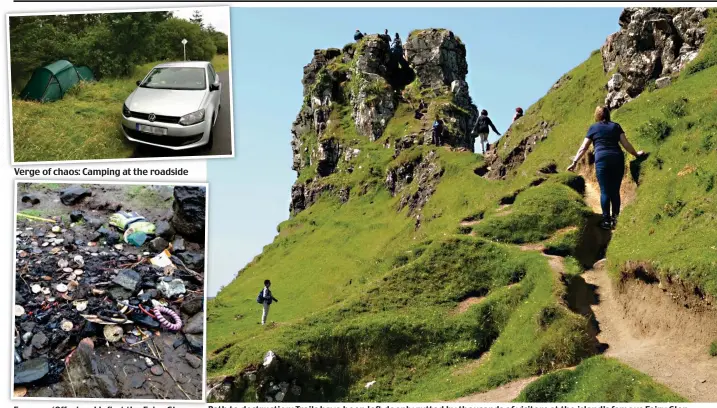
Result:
<point x="126" y="112"/>
<point x="192" y="118"/>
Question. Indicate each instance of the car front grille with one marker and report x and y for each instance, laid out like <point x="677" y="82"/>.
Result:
<point x="160" y="118"/>
<point x="174" y="141"/>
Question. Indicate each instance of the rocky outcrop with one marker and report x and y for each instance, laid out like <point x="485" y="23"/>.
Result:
<point x="437" y="56"/>
<point x="425" y="171"/>
<point x="190" y="208"/>
<point x="499" y="163"/>
<point x="652" y="43"/>
<point x="372" y="97"/>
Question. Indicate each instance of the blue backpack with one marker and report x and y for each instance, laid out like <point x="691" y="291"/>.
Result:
<point x="260" y="297"/>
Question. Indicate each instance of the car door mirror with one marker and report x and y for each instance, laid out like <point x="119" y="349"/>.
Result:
<point x="214" y="87"/>
<point x="139" y="82"/>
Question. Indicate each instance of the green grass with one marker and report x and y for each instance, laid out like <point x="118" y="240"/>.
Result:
<point x="598" y="379"/>
<point x="367" y="295"/>
<point x="83" y="125"/>
<point x="713" y="349"/>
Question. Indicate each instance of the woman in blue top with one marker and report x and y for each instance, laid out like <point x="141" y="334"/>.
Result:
<point x="607" y="137"/>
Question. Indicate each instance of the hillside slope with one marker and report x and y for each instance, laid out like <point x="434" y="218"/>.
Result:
<point x="413" y="272"/>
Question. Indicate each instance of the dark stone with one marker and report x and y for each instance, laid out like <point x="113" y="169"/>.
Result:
<point x="177" y="343"/>
<point x="195" y="341"/>
<point x="158" y="244"/>
<point x="73" y="194"/>
<point x="39" y="340"/>
<point x="27" y="352"/>
<point x="144" y="320"/>
<point x="194" y="361"/>
<point x="76" y="216"/>
<point x="119" y="293"/>
<point x="111" y="236"/>
<point x="27" y="326"/>
<point x="164" y="229"/>
<point x="128" y="279"/>
<point x="192" y="259"/>
<point x="31" y="371"/>
<point x="189" y="217"/>
<point x="193" y="306"/>
<point x="178" y="245"/>
<point x="195" y="325"/>
<point x="147" y="295"/>
<point x="137" y="380"/>
<point x="30" y="198"/>
<point x="157" y="370"/>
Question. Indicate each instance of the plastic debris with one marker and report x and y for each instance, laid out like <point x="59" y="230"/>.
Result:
<point x="162" y="259"/>
<point x="113" y="333"/>
<point x="66" y="325"/>
<point x="159" y="313"/>
<point x="19" y="311"/>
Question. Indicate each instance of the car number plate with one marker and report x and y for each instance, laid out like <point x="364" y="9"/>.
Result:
<point x="152" y="130"/>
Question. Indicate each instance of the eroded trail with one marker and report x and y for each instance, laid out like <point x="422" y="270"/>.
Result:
<point x="647" y="330"/>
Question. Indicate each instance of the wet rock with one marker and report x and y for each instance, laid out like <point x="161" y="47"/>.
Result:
<point x="144" y="320"/>
<point x="192" y="259"/>
<point x="31" y="371"/>
<point x="147" y="295"/>
<point x="193" y="361"/>
<point x="172" y="288"/>
<point x="128" y="279"/>
<point x="30" y="198"/>
<point x="158" y="244"/>
<point x="195" y="325"/>
<point x="27" y="352"/>
<point x="193" y="306"/>
<point x="195" y="341"/>
<point x="164" y="229"/>
<point x="118" y="293"/>
<point x="137" y="380"/>
<point x="27" y="326"/>
<point x="90" y="376"/>
<point x="73" y="194"/>
<point x="157" y="370"/>
<point x="39" y="340"/>
<point x="189" y="216"/>
<point x="178" y="245"/>
<point x="77" y="215"/>
<point x="110" y="236"/>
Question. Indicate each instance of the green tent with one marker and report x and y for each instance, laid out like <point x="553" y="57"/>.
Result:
<point x="50" y="82"/>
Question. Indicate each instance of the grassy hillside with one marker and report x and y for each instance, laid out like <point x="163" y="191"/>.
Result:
<point x="84" y="125"/>
<point x="367" y="295"/>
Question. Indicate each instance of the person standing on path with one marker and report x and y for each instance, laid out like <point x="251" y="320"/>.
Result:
<point x="268" y="299"/>
<point x="607" y="137"/>
<point x="437" y="132"/>
<point x="482" y="128"/>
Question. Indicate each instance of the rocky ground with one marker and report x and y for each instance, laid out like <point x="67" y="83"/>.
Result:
<point x="85" y="300"/>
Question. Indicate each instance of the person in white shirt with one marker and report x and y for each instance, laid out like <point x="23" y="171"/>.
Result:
<point x="268" y="299"/>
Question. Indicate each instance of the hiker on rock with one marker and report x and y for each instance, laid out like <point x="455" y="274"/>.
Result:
<point x="607" y="137"/>
<point x="386" y="36"/>
<point x="482" y="129"/>
<point x="518" y="113"/>
<point x="266" y="299"/>
<point x="437" y="131"/>
<point x="357" y="35"/>
<point x="397" y="46"/>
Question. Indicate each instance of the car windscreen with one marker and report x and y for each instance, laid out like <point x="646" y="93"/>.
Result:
<point x="181" y="78"/>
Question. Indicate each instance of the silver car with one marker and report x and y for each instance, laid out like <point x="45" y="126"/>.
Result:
<point x="175" y="106"/>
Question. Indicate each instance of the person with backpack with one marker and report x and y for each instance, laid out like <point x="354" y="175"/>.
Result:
<point x="437" y="131"/>
<point x="607" y="137"/>
<point x="265" y="298"/>
<point x="518" y="113"/>
<point x="482" y="129"/>
<point x="358" y="35"/>
<point x="386" y="36"/>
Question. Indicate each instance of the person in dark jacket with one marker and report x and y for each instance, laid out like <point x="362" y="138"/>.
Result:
<point x="437" y="131"/>
<point x="607" y="137"/>
<point x="357" y="35"/>
<point x="268" y="298"/>
<point x="386" y="36"/>
<point x="482" y="129"/>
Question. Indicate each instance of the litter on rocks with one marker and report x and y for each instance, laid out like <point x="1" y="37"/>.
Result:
<point x="83" y="299"/>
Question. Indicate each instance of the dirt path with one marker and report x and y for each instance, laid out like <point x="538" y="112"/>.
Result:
<point x="504" y="393"/>
<point x="645" y="329"/>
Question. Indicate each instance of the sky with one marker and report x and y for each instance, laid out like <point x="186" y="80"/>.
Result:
<point x="514" y="56"/>
<point x="216" y="16"/>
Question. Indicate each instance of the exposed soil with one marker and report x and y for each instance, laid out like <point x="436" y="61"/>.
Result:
<point x="74" y="270"/>
<point x="505" y="393"/>
<point x="644" y="328"/>
<point x="464" y="305"/>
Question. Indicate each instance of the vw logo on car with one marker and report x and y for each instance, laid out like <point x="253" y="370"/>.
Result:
<point x="175" y="106"/>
